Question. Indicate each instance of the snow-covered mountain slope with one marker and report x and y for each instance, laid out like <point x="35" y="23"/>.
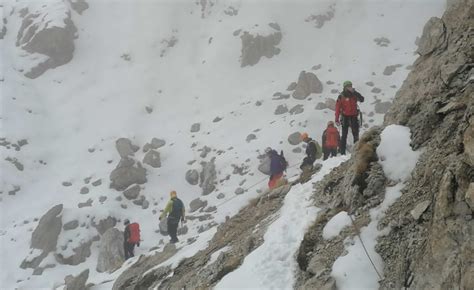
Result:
<point x="146" y="69"/>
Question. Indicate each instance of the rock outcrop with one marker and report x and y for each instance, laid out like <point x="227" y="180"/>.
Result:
<point x="308" y="83"/>
<point x="429" y="242"/>
<point x="208" y="176"/>
<point x="111" y="254"/>
<point x="254" y="47"/>
<point x="126" y="174"/>
<point x="78" y="282"/>
<point x="48" y="34"/>
<point x="45" y="236"/>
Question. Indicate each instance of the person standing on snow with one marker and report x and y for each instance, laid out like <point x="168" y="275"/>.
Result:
<point x="175" y="210"/>
<point x="346" y="109"/>
<point x="278" y="164"/>
<point x="131" y="237"/>
<point x="311" y="152"/>
<point x="330" y="140"/>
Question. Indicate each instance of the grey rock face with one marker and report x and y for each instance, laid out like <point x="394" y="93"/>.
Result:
<point x="192" y="176"/>
<point x="468" y="141"/>
<point x="294" y="138"/>
<point x="87" y="203"/>
<point x="391" y="69"/>
<point x="55" y="42"/>
<point x="308" y="83"/>
<point x="208" y="176"/>
<point x="126" y="174"/>
<point x="281" y="109"/>
<point x="239" y="191"/>
<point x="71" y="225"/>
<point x="469" y="197"/>
<point x="157" y="143"/>
<point x="434" y="34"/>
<point x="383" y="107"/>
<point x="81" y="253"/>
<point x="250" y="137"/>
<point x="298" y="109"/>
<point x="152" y="158"/>
<point x="292" y="86"/>
<point x="111" y="255"/>
<point x="104" y="224"/>
<point x="197" y="204"/>
<point x="45" y="235"/>
<point x="255" y="47"/>
<point x="195" y="127"/>
<point x="79" y="6"/>
<point x="132" y="192"/>
<point x="77" y="283"/>
<point x="376" y="90"/>
<point x="125" y="147"/>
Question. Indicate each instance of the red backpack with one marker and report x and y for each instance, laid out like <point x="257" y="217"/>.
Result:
<point x="134" y="233"/>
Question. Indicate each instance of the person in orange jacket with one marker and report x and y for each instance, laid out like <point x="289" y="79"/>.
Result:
<point x="346" y="109"/>
<point x="330" y="140"/>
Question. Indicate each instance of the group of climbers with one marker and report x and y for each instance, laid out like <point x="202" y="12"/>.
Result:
<point x="346" y="115"/>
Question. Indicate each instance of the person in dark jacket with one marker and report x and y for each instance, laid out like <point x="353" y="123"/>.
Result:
<point x="330" y="140"/>
<point x="347" y="113"/>
<point x="176" y="212"/>
<point x="278" y="165"/>
<point x="311" y="151"/>
<point x="128" y="248"/>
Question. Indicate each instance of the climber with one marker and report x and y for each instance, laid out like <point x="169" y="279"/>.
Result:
<point x="278" y="164"/>
<point x="330" y="140"/>
<point x="131" y="237"/>
<point x="175" y="210"/>
<point x="346" y="107"/>
<point x="311" y="151"/>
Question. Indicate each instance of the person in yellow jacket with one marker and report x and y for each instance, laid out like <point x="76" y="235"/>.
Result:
<point x="175" y="211"/>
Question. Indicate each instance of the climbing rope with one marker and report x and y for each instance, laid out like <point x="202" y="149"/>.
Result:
<point x="363" y="245"/>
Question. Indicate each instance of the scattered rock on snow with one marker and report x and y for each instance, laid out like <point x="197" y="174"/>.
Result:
<point x="294" y="138"/>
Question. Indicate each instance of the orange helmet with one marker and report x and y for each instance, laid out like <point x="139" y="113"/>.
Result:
<point x="304" y="136"/>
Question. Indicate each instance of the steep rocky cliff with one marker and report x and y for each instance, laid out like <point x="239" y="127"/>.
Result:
<point x="430" y="243"/>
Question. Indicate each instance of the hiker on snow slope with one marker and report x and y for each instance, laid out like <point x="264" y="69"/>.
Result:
<point x="278" y="164"/>
<point x="347" y="113"/>
<point x="175" y="211"/>
<point x="131" y="237"/>
<point x="330" y="140"/>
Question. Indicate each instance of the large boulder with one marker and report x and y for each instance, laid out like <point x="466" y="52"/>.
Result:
<point x="255" y="47"/>
<point x="126" y="174"/>
<point x="78" y="282"/>
<point x="44" y="237"/>
<point x="111" y="254"/>
<point x="152" y="158"/>
<point x="208" y="176"/>
<point x="79" y="5"/>
<point x="132" y="192"/>
<point x="197" y="204"/>
<point x="54" y="42"/>
<point x="80" y="254"/>
<point x="104" y="224"/>
<point x="125" y="147"/>
<point x="308" y="83"/>
<point x="192" y="176"/>
<point x="434" y="34"/>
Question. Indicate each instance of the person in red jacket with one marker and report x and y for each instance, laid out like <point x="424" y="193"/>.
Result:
<point x="346" y="113"/>
<point x="330" y="141"/>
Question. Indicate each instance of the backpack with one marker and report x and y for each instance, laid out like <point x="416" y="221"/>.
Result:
<point x="319" y="151"/>
<point x="284" y="163"/>
<point x="134" y="233"/>
<point x="177" y="209"/>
